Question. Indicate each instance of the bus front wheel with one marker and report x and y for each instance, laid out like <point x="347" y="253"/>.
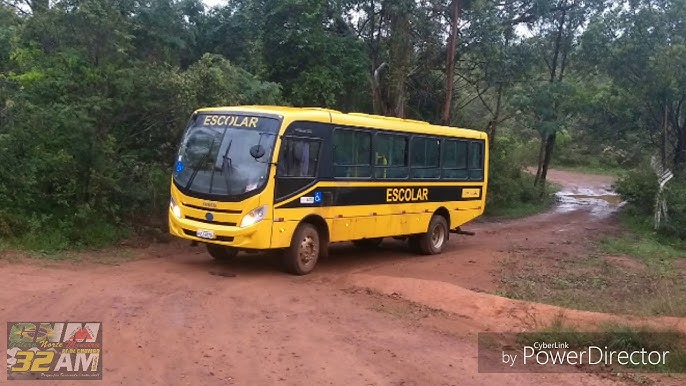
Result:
<point x="220" y="252"/>
<point x="301" y="257"/>
<point x="433" y="241"/>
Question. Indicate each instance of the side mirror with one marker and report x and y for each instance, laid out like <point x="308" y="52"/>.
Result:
<point x="257" y="151"/>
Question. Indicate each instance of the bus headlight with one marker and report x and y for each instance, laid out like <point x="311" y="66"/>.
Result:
<point x="174" y="208"/>
<point x="254" y="216"/>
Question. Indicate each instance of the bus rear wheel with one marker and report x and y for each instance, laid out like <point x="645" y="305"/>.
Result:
<point x="220" y="252"/>
<point x="433" y="241"/>
<point x="368" y="243"/>
<point x="301" y="257"/>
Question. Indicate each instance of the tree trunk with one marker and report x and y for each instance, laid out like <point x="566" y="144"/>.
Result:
<point x="450" y="62"/>
<point x="680" y="151"/>
<point x="548" y="140"/>
<point x="541" y="151"/>
<point x="557" y="47"/>
<point x="376" y="68"/>
<point x="377" y="96"/>
<point x="549" y="146"/>
<point x="493" y="124"/>
<point x="400" y="56"/>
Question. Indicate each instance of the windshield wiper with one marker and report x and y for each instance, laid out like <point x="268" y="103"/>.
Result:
<point x="197" y="166"/>
<point x="226" y="157"/>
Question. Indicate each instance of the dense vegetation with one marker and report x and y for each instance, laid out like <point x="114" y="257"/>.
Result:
<point x="94" y="94"/>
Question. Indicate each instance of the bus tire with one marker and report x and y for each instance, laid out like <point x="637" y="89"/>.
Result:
<point x="301" y="257"/>
<point x="433" y="241"/>
<point x="220" y="252"/>
<point x="368" y="243"/>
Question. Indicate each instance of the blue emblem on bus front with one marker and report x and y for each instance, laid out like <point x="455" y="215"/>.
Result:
<point x="179" y="166"/>
<point x="317" y="196"/>
<point x="209" y="216"/>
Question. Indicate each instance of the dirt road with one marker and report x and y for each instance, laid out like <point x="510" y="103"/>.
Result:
<point x="178" y="317"/>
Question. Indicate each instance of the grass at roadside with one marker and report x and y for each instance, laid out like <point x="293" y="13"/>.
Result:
<point x="627" y="271"/>
<point x="642" y="242"/>
<point x="520" y="210"/>
<point x="107" y="245"/>
<point x="596" y="169"/>
<point x="53" y="248"/>
<point x="597" y="283"/>
<point x="523" y="208"/>
<point x="108" y="256"/>
<point x="57" y="239"/>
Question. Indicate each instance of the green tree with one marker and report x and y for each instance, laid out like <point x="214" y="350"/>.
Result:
<point x="304" y="45"/>
<point x="90" y="126"/>
<point x="647" y="75"/>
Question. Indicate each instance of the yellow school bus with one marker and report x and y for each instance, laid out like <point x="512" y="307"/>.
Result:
<point x="251" y="178"/>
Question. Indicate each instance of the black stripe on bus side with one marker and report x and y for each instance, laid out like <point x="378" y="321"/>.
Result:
<point x="378" y="195"/>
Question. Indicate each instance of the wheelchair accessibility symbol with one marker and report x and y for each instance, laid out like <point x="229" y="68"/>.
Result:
<point x="317" y="197"/>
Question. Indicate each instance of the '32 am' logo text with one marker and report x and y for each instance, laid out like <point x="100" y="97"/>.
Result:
<point x="54" y="350"/>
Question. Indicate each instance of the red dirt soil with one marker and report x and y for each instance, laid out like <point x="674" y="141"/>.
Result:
<point x="178" y="317"/>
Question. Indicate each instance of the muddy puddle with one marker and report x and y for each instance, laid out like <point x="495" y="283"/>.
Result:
<point x="599" y="201"/>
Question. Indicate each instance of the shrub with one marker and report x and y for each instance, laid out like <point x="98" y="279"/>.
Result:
<point x="639" y="188"/>
<point x="509" y="184"/>
<point x="675" y="197"/>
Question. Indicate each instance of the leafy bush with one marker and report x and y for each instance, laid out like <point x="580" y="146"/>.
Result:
<point x="585" y="150"/>
<point x="675" y="197"/>
<point x="511" y="188"/>
<point x="81" y="168"/>
<point x="639" y="188"/>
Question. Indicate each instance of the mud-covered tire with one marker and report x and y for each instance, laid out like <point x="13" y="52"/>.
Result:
<point x="220" y="252"/>
<point x="435" y="238"/>
<point x="368" y="243"/>
<point x="301" y="257"/>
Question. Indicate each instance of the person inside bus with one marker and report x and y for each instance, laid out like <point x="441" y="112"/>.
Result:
<point x="297" y="159"/>
<point x="301" y="151"/>
<point x="381" y="160"/>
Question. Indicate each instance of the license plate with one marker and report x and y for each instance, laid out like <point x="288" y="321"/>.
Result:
<point x="205" y="234"/>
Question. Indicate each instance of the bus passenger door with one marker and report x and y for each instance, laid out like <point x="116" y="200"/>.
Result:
<point x="296" y="169"/>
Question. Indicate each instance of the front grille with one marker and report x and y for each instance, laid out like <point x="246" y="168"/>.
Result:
<point x="230" y="211"/>
<point x="233" y="224"/>
<point x="227" y="239"/>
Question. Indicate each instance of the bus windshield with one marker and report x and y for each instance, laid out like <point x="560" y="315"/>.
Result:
<point x="225" y="155"/>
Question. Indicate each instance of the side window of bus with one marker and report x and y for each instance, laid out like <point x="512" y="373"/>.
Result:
<point x="455" y="159"/>
<point x="298" y="157"/>
<point x="476" y="160"/>
<point x="424" y="152"/>
<point x="352" y="153"/>
<point x="390" y="156"/>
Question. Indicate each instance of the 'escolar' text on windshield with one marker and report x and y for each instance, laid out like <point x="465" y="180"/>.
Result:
<point x="230" y="120"/>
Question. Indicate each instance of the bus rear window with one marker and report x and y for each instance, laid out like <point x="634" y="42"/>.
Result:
<point x="455" y="159"/>
<point x="476" y="160"/>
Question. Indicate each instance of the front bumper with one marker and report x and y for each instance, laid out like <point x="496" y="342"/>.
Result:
<point x="257" y="236"/>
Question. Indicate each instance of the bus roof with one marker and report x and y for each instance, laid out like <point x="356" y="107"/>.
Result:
<point x="318" y="114"/>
